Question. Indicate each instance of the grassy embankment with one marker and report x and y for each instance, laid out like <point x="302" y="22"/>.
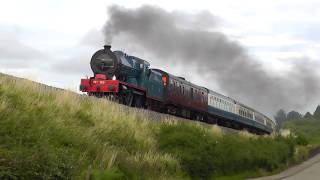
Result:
<point x="308" y="130"/>
<point x="46" y="134"/>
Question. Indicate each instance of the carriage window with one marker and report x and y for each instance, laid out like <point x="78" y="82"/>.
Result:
<point x="191" y="93"/>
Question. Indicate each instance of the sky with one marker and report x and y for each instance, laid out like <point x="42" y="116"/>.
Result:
<point x="52" y="41"/>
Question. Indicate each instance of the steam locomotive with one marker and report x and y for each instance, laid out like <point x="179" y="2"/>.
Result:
<point x="129" y="80"/>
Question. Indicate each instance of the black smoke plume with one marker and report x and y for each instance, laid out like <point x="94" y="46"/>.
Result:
<point x="193" y="40"/>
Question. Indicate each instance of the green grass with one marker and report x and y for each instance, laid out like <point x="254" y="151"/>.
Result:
<point x="47" y="134"/>
<point x="306" y="127"/>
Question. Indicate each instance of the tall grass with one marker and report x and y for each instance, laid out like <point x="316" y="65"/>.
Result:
<point x="58" y="134"/>
<point x="47" y="134"/>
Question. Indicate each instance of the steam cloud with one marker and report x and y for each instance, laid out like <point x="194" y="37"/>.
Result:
<point x="195" y="41"/>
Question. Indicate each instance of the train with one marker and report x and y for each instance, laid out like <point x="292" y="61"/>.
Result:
<point x="129" y="80"/>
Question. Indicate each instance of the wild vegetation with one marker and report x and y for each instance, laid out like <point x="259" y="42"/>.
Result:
<point x="307" y="127"/>
<point x="49" y="134"/>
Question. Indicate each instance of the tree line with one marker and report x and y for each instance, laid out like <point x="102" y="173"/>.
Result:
<point x="282" y="116"/>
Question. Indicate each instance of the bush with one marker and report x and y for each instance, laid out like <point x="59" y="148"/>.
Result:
<point x="301" y="140"/>
<point x="192" y="145"/>
<point x="203" y="155"/>
<point x="301" y="154"/>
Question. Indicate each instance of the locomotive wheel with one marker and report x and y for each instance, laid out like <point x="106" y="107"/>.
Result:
<point x="172" y="110"/>
<point x="138" y="101"/>
<point x="128" y="99"/>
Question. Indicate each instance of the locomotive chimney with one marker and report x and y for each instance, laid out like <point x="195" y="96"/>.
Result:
<point x="107" y="47"/>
